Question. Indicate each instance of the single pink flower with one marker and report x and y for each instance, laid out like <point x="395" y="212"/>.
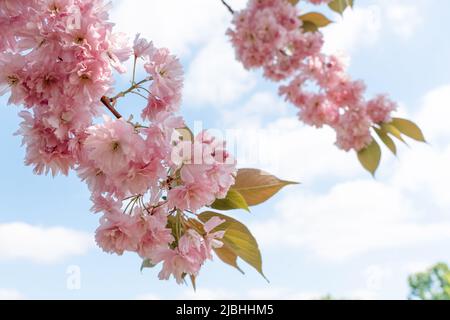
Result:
<point x="142" y="48"/>
<point x="119" y="232"/>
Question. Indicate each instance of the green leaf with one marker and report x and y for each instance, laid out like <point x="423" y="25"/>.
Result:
<point x="389" y="128"/>
<point x="370" y="157"/>
<point x="233" y="200"/>
<point x="237" y="239"/>
<point x="339" y="6"/>
<point x="387" y="140"/>
<point x="257" y="186"/>
<point x="409" y="128"/>
<point x="313" y="21"/>
<point x="147" y="264"/>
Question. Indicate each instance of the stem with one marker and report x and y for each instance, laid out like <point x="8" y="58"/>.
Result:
<point x="141" y="95"/>
<point x="133" y="200"/>
<point x="134" y="70"/>
<point x="228" y="6"/>
<point x="133" y="87"/>
<point x="110" y="102"/>
<point x="107" y="102"/>
<point x="142" y="88"/>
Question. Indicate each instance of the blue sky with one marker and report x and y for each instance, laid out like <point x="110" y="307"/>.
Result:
<point x="340" y="232"/>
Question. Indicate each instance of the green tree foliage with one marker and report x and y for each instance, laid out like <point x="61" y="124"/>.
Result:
<point x="433" y="284"/>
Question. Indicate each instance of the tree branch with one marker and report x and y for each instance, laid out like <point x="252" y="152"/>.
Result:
<point x="110" y="102"/>
<point x="228" y="6"/>
<point x="107" y="102"/>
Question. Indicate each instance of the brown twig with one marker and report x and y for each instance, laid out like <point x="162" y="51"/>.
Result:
<point x="228" y="6"/>
<point x="110" y="102"/>
<point x="107" y="102"/>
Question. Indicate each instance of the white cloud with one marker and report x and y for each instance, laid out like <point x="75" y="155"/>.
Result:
<point x="10" y="294"/>
<point x="262" y="105"/>
<point x="364" y="26"/>
<point x="357" y="28"/>
<point x="404" y="18"/>
<point x="352" y="218"/>
<point x="434" y="115"/>
<point x="42" y="245"/>
<point x="417" y="266"/>
<point x="262" y="133"/>
<point x="292" y="150"/>
<point x="408" y="208"/>
<point x="215" y="77"/>
<point x="176" y="24"/>
<point x="376" y="276"/>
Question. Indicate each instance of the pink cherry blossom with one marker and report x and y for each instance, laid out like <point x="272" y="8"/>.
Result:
<point x="44" y="150"/>
<point x="12" y="76"/>
<point x="380" y="109"/>
<point x="353" y="130"/>
<point x="57" y="60"/>
<point x="190" y="254"/>
<point x="142" y="48"/>
<point x="119" y="50"/>
<point x="119" y="232"/>
<point x="59" y="67"/>
<point x="166" y="73"/>
<point x="113" y="145"/>
<point x="267" y="34"/>
<point x="118" y="159"/>
<point x="206" y="171"/>
<point x="156" y="235"/>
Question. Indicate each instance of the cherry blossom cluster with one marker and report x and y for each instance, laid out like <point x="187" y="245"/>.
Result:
<point x="268" y="34"/>
<point x="57" y="59"/>
<point x="146" y="181"/>
<point x="58" y="63"/>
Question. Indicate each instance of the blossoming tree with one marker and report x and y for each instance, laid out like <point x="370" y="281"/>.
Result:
<point x="150" y="179"/>
<point x="287" y="45"/>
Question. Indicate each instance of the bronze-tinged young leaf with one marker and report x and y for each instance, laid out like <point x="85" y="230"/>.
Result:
<point x="193" y="281"/>
<point x="308" y="26"/>
<point x="339" y="6"/>
<point x="186" y="134"/>
<point x="389" y="128"/>
<point x="294" y="2"/>
<point x="313" y="21"/>
<point x="196" y="225"/>
<point x="257" y="186"/>
<point x="147" y="264"/>
<point x="387" y="140"/>
<point x="409" y="128"/>
<point x="237" y="239"/>
<point x="173" y="225"/>
<point x="233" y="200"/>
<point x="370" y="157"/>
<point x="227" y="256"/>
